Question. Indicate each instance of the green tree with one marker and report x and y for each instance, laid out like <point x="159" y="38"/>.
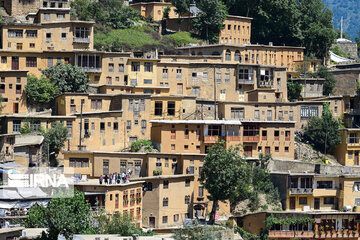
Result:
<point x="293" y="90"/>
<point x="63" y="215"/>
<point x="182" y="6"/>
<point x="223" y="169"/>
<point x="54" y="140"/>
<point x="329" y="83"/>
<point x="305" y="23"/>
<point x="210" y="21"/>
<point x="67" y="78"/>
<point x="323" y="133"/>
<point x="197" y="232"/>
<point x="357" y="40"/>
<point x="40" y="90"/>
<point x="166" y="12"/>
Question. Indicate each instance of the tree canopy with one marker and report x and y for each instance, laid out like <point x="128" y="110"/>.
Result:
<point x="305" y="23"/>
<point x="67" y="78"/>
<point x="63" y="215"/>
<point x="210" y="21"/>
<point x="40" y="90"/>
<point x="111" y="13"/>
<point x="222" y="170"/>
<point x="293" y="90"/>
<point x="323" y="132"/>
<point x="330" y="81"/>
<point x="55" y="139"/>
<point x="182" y="6"/>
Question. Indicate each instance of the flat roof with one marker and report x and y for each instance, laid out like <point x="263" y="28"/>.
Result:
<point x="134" y="153"/>
<point x="95" y="182"/>
<point x="163" y="177"/>
<point x="100" y="112"/>
<point x="327" y="212"/>
<point x="310" y="79"/>
<point x="209" y="122"/>
<point x="262" y="121"/>
<point x="37" y="116"/>
<point x="238" y="46"/>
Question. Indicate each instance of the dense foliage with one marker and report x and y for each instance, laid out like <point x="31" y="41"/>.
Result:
<point x="40" y="90"/>
<point x="111" y="13"/>
<point x="54" y="139"/>
<point x="323" y="132"/>
<point x="329" y="84"/>
<point x="293" y="90"/>
<point x="221" y="174"/>
<point x="63" y="215"/>
<point x="197" y="232"/>
<point x="271" y="221"/>
<point x="210" y="21"/>
<point x="305" y="23"/>
<point x="145" y="145"/>
<point x="181" y="38"/>
<point x="67" y="78"/>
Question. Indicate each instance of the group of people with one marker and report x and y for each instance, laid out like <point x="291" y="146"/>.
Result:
<point x="115" y="178"/>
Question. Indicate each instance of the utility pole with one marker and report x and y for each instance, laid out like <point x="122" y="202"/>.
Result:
<point x="81" y="111"/>
<point x="215" y="116"/>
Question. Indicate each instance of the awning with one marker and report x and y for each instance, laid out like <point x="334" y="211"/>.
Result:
<point x="94" y="193"/>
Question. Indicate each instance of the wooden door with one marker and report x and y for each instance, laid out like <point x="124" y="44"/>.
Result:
<point x="292" y="203"/>
<point x="15" y="63"/>
<point x="316" y="203"/>
<point x="152" y="222"/>
<point x="267" y="150"/>
<point x="356" y="158"/>
<point x="248" y="151"/>
<point x="16" y="107"/>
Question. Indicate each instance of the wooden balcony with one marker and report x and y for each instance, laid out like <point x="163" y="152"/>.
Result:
<point x="211" y="139"/>
<point x="290" y="234"/>
<point x="251" y="138"/>
<point x="232" y="138"/>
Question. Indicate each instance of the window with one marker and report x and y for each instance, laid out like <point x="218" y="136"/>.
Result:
<point x="228" y="54"/>
<point x="291" y="115"/>
<point x="166" y="184"/>
<point x="281" y="117"/>
<point x="148" y="67"/>
<point x="324" y="184"/>
<point x="176" y="217"/>
<point x="218" y="77"/>
<point x="18" y="89"/>
<point x="158" y="108"/>
<point x="3" y="59"/>
<point x="276" y="149"/>
<point x="136" y="122"/>
<point x="227" y="77"/>
<point x="350" y="154"/>
<point x="269" y="115"/>
<point x="187" y="182"/>
<point x="32" y="45"/>
<point x="63" y="36"/>
<point x="257" y="115"/>
<point x="303" y="200"/>
<point x="277" y="135"/>
<point x="82" y="32"/>
<point x="15" y="33"/>
<point x="102" y="127"/>
<point x="171" y="108"/>
<point x="60" y="15"/>
<point x="121" y="67"/>
<point x="31" y="33"/>
<point x="165" y="202"/>
<point x="201" y="192"/>
<point x="143" y="124"/>
<point x="187" y="199"/>
<point x="135" y="66"/>
<point x="172" y="146"/>
<point x="79" y="162"/>
<point x="16" y="125"/>
<point x="96" y="104"/>
<point x="19" y="46"/>
<point x="148" y="187"/>
<point x="186" y="147"/>
<point x="304" y="111"/>
<point x="196" y="91"/>
<point x="111" y="67"/>
<point x="237" y="113"/>
<point x="48" y="36"/>
<point x="165" y="73"/>
<point x="246" y="74"/>
<point x="50" y="62"/>
<point x="286" y="149"/>
<point x="164" y="219"/>
<point x="314" y="112"/>
<point x="31" y="62"/>
<point x="178" y="74"/>
<point x="329" y="200"/>
<point x="105" y="167"/>
<point x="128" y="124"/>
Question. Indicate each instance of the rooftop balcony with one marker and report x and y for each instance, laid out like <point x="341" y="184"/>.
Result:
<point x="81" y="40"/>
<point x="91" y="69"/>
<point x="300" y="191"/>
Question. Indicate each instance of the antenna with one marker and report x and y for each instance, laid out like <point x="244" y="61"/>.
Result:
<point x="341" y="27"/>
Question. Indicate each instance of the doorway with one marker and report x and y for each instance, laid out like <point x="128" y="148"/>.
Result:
<point x="152" y="222"/>
<point x="15" y="63"/>
<point x="248" y="151"/>
<point x="292" y="203"/>
<point x="317" y="203"/>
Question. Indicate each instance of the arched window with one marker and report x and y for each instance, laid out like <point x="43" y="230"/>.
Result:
<point x="237" y="55"/>
<point x="228" y="55"/>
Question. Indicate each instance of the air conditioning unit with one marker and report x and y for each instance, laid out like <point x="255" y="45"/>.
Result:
<point x="347" y="208"/>
<point x="306" y="208"/>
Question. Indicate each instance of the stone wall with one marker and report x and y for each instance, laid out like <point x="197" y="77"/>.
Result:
<point x="21" y="7"/>
<point x="346" y="81"/>
<point x="349" y="48"/>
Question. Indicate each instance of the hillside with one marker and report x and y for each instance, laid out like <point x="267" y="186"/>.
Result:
<point x="350" y="10"/>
